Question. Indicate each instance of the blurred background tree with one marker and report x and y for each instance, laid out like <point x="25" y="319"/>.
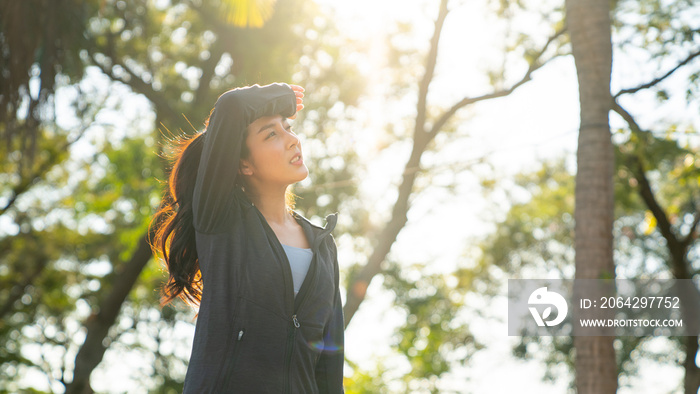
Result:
<point x="435" y="338"/>
<point x="84" y="212"/>
<point x="589" y="27"/>
<point x="537" y="234"/>
<point x="656" y="189"/>
<point x="75" y="278"/>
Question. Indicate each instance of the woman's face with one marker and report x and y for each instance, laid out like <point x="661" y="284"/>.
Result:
<point x="274" y="157"/>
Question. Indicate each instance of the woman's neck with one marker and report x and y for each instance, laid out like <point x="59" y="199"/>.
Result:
<point x="272" y="204"/>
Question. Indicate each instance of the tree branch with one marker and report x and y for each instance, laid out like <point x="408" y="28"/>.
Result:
<point x="647" y="194"/>
<point x="658" y="80"/>
<point x="631" y="122"/>
<point x="534" y="65"/>
<point x="693" y="230"/>
<point x="359" y="283"/>
<point x="675" y="246"/>
<point x="428" y="74"/>
<point x="135" y="81"/>
<point x="98" y="324"/>
<point x="208" y="70"/>
<point x="27" y="182"/>
<point x="139" y="86"/>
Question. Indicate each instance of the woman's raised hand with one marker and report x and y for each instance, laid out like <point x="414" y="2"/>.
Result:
<point x="299" y="93"/>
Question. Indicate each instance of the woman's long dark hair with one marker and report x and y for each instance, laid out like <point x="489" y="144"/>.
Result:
<point x="173" y="228"/>
<point x="172" y="225"/>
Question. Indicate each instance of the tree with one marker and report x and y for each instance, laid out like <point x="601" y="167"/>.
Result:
<point x="589" y="29"/>
<point x="536" y="235"/>
<point x="39" y="41"/>
<point x="427" y="340"/>
<point x="426" y="128"/>
<point x="663" y="37"/>
<point x="666" y="35"/>
<point x="659" y="34"/>
<point x="638" y="160"/>
<point x="75" y="274"/>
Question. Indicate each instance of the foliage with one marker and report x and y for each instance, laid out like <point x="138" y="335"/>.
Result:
<point x="435" y="338"/>
<point x="73" y="220"/>
<point x="431" y="341"/>
<point x="663" y="36"/>
<point x="535" y="236"/>
<point x="72" y="216"/>
<point x="39" y="42"/>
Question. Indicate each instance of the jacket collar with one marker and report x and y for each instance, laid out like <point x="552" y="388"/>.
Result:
<point x="314" y="233"/>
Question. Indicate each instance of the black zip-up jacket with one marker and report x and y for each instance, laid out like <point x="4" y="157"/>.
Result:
<point x="252" y="334"/>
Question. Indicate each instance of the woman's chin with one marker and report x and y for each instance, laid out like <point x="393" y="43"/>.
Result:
<point x="302" y="177"/>
<point x="303" y="172"/>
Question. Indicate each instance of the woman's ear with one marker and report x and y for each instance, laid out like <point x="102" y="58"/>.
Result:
<point x="244" y="167"/>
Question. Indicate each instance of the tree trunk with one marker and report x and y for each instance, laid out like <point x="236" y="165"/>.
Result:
<point x="360" y="282"/>
<point x="589" y="28"/>
<point x="98" y="325"/>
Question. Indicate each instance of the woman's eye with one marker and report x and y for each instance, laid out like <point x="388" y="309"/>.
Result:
<point x="272" y="134"/>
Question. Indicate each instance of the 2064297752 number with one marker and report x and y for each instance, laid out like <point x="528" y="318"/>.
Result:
<point x="640" y="302"/>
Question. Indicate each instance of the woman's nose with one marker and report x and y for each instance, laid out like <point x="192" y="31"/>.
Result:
<point x="293" y="139"/>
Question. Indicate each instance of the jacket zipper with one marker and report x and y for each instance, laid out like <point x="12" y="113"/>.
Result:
<point x="279" y="251"/>
<point x="312" y="283"/>
<point x="291" y="334"/>
<point x="290" y="351"/>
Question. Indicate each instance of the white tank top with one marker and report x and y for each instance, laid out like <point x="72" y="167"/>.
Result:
<point x="299" y="262"/>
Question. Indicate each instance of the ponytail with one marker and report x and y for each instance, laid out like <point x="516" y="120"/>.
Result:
<point x="173" y="228"/>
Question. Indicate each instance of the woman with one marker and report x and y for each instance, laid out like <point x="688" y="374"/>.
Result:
<point x="265" y="279"/>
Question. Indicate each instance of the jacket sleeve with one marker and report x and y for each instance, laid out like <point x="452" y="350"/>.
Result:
<point x="225" y="133"/>
<point x="329" y="369"/>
